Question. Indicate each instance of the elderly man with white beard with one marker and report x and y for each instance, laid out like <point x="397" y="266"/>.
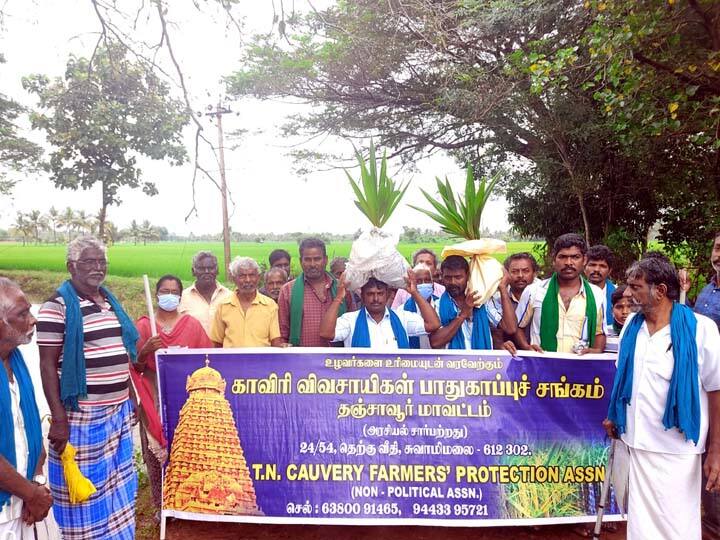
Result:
<point x="24" y="496"/>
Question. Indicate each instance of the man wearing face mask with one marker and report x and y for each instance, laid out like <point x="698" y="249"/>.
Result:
<point x="173" y="330"/>
<point x="424" y="281"/>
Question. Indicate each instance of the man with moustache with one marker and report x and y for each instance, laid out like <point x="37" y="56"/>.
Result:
<point x="597" y="270"/>
<point x="304" y="300"/>
<point x="522" y="269"/>
<point x="465" y="325"/>
<point x="275" y="278"/>
<point x="85" y="338"/>
<point x="665" y="405"/>
<point x="566" y="312"/>
<point x="375" y="325"/>
<point x="202" y="297"/>
<point x="246" y="318"/>
<point x="24" y="496"/>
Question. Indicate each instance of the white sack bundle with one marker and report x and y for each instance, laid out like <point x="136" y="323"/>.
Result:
<point x="375" y="254"/>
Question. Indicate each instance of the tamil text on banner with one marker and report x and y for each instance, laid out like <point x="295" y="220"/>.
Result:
<point x="418" y="437"/>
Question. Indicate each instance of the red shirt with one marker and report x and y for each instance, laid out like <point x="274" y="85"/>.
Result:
<point x="314" y="309"/>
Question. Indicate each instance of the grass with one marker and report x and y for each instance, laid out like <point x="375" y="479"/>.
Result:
<point x="38" y="285"/>
<point x="40" y="269"/>
<point x="132" y="260"/>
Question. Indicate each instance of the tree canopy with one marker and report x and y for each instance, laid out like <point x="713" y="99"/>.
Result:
<point x="16" y="152"/>
<point x="100" y="118"/>
<point x="527" y="86"/>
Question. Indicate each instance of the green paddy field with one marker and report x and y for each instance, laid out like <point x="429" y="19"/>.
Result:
<point x="39" y="269"/>
<point x="134" y="260"/>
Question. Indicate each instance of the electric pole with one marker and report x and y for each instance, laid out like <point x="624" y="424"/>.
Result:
<point x="217" y="113"/>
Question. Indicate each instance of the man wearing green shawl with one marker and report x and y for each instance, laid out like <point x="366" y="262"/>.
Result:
<point x="566" y="312"/>
<point x="303" y="301"/>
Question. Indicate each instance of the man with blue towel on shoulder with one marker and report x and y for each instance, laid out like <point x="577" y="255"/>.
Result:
<point x="665" y="405"/>
<point x="375" y="326"/>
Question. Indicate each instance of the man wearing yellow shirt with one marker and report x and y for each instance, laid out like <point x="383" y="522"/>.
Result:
<point x="566" y="312"/>
<point x="246" y="318"/>
<point x="202" y="297"/>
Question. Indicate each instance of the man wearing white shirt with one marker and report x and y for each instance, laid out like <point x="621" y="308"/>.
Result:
<point x="381" y="327"/>
<point x="665" y="405"/>
<point x="24" y="498"/>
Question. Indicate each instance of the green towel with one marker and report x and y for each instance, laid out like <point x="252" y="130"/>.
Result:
<point x="550" y="315"/>
<point x="297" y="298"/>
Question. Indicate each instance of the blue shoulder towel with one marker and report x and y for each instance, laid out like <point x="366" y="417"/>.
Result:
<point x="31" y="418"/>
<point x="682" y="406"/>
<point x="73" y="383"/>
<point x="361" y="333"/>
<point x="480" y="337"/>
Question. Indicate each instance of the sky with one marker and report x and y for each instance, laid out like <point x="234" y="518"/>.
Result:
<point x="39" y="35"/>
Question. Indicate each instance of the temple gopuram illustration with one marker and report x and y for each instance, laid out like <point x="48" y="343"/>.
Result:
<point x="206" y="471"/>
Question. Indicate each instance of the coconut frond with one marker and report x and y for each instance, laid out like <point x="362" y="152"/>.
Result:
<point x="377" y="195"/>
<point x="461" y="217"/>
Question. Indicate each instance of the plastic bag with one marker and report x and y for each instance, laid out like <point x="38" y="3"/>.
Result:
<point x="375" y="254"/>
<point x="485" y="271"/>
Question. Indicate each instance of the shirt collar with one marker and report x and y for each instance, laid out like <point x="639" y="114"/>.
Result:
<point x="258" y="300"/>
<point x="328" y="281"/>
<point x="369" y="317"/>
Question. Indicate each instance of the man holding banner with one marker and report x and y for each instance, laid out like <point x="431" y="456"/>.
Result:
<point x="665" y="405"/>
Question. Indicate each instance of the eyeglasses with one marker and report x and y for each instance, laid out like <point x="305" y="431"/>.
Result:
<point x="92" y="263"/>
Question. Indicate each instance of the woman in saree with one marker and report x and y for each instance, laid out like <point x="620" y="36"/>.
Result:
<point x="173" y="330"/>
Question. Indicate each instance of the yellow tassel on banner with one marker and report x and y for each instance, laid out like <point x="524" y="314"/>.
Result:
<point x="485" y="271"/>
<point x="79" y="487"/>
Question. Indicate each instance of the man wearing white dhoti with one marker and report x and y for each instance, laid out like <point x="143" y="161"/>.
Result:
<point x="665" y="405"/>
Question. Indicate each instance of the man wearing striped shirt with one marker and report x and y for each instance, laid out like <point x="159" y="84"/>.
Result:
<point x="85" y="338"/>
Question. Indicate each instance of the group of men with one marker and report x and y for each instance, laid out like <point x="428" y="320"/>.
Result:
<point x="665" y="402"/>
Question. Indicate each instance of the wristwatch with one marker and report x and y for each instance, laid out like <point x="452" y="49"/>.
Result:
<point x="40" y="479"/>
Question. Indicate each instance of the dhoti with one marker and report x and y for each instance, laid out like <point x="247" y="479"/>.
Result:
<point x="664" y="496"/>
<point x="102" y="437"/>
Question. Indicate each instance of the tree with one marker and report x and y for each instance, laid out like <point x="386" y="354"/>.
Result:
<point x="101" y="118"/>
<point x="147" y="232"/>
<point x="656" y="73"/>
<point x="53" y="218"/>
<point x="135" y="231"/>
<point x="23" y="226"/>
<point x="37" y="223"/>
<point x="82" y="222"/>
<point x="67" y="221"/>
<point x="466" y="78"/>
<point x="16" y="152"/>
